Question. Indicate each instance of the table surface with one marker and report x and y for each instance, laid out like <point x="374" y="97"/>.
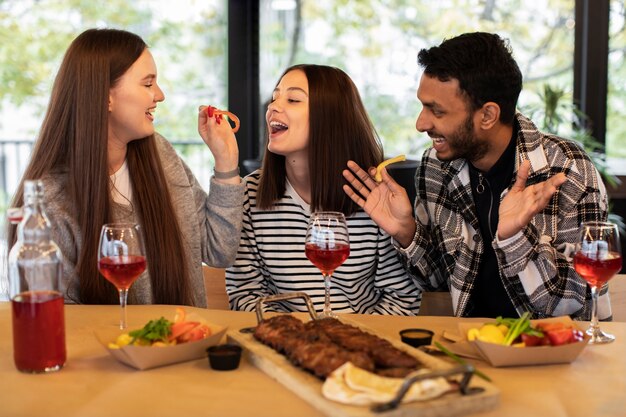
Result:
<point x="93" y="383"/>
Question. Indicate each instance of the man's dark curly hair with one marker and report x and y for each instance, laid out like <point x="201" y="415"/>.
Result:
<point x="484" y="66"/>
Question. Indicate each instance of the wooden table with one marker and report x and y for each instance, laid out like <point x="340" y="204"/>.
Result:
<point x="93" y="384"/>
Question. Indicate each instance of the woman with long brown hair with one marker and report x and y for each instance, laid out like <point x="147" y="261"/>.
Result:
<point x="316" y="122"/>
<point x="101" y="161"/>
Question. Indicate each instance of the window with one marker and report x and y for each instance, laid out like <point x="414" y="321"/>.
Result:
<point x="377" y="43"/>
<point x="188" y="43"/>
<point x="616" y="100"/>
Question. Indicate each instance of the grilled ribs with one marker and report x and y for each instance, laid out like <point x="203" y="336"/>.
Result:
<point x="380" y="350"/>
<point x="321" y="346"/>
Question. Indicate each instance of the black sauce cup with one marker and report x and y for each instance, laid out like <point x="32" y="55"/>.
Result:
<point x="416" y="337"/>
<point x="224" y="357"/>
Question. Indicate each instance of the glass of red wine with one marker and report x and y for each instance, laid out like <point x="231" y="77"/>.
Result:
<point x="327" y="246"/>
<point x="598" y="258"/>
<point x="121" y="258"/>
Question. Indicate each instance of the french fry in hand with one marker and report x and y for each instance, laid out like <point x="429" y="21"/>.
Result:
<point x="378" y="177"/>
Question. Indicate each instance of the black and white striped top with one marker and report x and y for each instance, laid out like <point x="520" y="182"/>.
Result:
<point x="271" y="260"/>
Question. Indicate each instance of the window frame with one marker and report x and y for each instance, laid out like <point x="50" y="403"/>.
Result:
<point x="590" y="72"/>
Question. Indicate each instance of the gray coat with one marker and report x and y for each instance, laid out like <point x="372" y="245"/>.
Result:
<point x="210" y="225"/>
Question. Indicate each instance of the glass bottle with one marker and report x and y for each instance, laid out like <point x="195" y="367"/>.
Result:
<point x="34" y="287"/>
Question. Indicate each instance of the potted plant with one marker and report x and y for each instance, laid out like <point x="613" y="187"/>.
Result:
<point x="557" y="114"/>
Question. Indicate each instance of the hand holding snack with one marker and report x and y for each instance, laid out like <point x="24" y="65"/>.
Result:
<point x="221" y="140"/>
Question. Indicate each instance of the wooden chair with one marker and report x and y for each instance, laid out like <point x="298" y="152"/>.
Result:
<point x="617" y="293"/>
<point x="215" y="285"/>
<point x="436" y="304"/>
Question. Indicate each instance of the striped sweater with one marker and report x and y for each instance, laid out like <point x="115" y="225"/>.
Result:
<point x="271" y="260"/>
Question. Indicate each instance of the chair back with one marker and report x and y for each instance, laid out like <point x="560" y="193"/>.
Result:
<point x="617" y="294"/>
<point x="215" y="285"/>
<point x="436" y="303"/>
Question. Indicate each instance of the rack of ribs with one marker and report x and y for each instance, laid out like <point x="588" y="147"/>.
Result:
<point x="321" y="346"/>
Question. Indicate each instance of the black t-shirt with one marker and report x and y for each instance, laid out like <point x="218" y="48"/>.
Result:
<point x="488" y="297"/>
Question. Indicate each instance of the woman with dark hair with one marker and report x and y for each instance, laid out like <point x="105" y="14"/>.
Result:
<point x="101" y="161"/>
<point x="316" y="123"/>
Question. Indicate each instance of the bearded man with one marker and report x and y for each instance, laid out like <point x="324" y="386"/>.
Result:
<point x="498" y="203"/>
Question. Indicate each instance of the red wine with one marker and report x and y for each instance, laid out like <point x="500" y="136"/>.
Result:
<point x="38" y="331"/>
<point x="327" y="260"/>
<point x="122" y="271"/>
<point x="597" y="271"/>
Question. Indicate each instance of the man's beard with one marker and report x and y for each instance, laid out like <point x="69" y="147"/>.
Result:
<point x="464" y="144"/>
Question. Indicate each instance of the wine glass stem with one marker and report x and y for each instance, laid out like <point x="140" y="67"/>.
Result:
<point x="327" y="310"/>
<point x="594" y="309"/>
<point x="123" y="297"/>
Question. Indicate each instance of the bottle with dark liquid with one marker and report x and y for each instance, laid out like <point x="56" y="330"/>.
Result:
<point x="36" y="299"/>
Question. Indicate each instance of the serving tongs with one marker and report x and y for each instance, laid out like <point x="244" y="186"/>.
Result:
<point x="280" y="297"/>
<point x="467" y="371"/>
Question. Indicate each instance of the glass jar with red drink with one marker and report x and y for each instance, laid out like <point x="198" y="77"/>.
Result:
<point x="36" y="299"/>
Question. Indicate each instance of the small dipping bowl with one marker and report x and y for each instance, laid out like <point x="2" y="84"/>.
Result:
<point x="416" y="337"/>
<point x="224" y="357"/>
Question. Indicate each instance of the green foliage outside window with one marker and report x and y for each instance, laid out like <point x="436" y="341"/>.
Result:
<point x="616" y="100"/>
<point x="187" y="39"/>
<point x="557" y="114"/>
<point x="376" y="43"/>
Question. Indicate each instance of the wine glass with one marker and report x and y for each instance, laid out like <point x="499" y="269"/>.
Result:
<point x="598" y="257"/>
<point x="121" y="258"/>
<point x="327" y="246"/>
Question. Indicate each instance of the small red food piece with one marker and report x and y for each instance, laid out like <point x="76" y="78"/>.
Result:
<point x="530" y="340"/>
<point x="199" y="332"/>
<point x="180" y="328"/>
<point x="560" y="337"/>
<point x="560" y="333"/>
<point x="189" y="331"/>
<point x="219" y="115"/>
<point x="549" y="326"/>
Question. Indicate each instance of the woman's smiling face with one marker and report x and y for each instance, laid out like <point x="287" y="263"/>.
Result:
<point x="133" y="99"/>
<point x="287" y="116"/>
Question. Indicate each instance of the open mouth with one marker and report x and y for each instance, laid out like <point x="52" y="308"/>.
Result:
<point x="438" y="140"/>
<point x="276" y="127"/>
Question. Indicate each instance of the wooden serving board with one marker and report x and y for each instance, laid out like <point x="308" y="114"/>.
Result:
<point x="309" y="387"/>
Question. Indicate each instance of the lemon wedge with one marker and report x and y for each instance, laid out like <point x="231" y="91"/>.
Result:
<point x="123" y="340"/>
<point x="487" y="333"/>
<point x="378" y="177"/>
<point x="473" y="334"/>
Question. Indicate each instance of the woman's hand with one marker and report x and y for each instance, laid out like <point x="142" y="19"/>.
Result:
<point x="219" y="137"/>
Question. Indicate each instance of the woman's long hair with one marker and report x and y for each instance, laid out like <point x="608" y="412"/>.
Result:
<point x="73" y="140"/>
<point x="339" y="130"/>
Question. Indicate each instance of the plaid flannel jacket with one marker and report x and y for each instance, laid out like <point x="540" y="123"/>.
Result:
<point x="536" y="264"/>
